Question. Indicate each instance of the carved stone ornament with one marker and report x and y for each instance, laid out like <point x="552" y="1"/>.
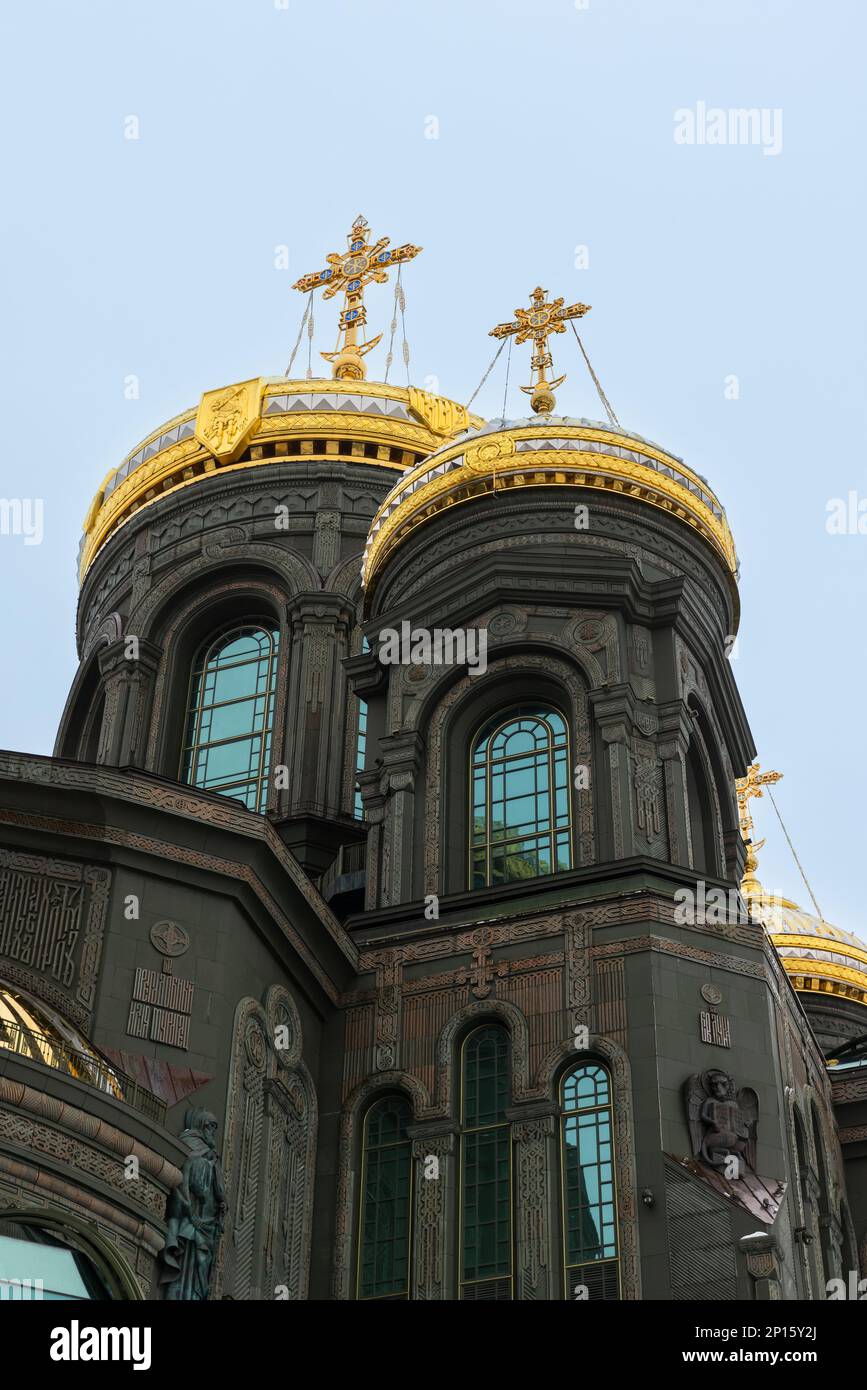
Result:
<point x="722" y="1120"/>
<point x="169" y="939"/>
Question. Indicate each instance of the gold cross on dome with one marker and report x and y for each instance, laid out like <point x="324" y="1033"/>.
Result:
<point x="350" y="272"/>
<point x="539" y="322"/>
<point x="747" y="788"/>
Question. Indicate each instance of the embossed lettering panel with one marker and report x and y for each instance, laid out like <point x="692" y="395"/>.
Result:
<point x="52" y="922"/>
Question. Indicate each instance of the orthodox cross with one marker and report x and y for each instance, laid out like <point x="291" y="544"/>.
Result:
<point x="539" y="322"/>
<point x="748" y="787"/>
<point x="484" y="970"/>
<point x="351" y="272"/>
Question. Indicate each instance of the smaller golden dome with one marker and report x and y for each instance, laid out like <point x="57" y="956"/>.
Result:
<point x="544" y="451"/>
<point x="818" y="957"/>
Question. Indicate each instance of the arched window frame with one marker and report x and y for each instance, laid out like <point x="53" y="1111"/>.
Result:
<point x="360" y="745"/>
<point x="401" y="1149"/>
<point x="110" y="1264"/>
<point x="575" y="1272"/>
<point x="558" y="839"/>
<point x="192" y="743"/>
<point x="500" y="1285"/>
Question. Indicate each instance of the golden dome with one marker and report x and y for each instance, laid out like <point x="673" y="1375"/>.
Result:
<point x="547" y="450"/>
<point x="262" y="420"/>
<point x="818" y="957"/>
<point x="30" y="1029"/>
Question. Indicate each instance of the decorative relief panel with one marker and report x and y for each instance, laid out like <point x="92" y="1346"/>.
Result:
<point x="431" y="1218"/>
<point x="389" y="976"/>
<point x="533" y="1141"/>
<point x="649" y="785"/>
<point x="268" y="1155"/>
<point x="52" y="923"/>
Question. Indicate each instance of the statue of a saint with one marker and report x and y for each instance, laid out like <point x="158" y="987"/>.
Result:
<point x="195" y="1213"/>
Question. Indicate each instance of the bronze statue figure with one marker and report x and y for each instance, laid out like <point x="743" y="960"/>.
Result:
<point x="195" y="1213"/>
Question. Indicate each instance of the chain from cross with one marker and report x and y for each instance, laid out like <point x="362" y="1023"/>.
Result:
<point x="539" y="323"/>
<point x="351" y="272"/>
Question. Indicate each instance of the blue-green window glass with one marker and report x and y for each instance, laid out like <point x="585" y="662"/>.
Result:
<point x="520" y="799"/>
<point x="486" y="1167"/>
<point x="589" y="1196"/>
<point x="361" y="744"/>
<point x="227" y="741"/>
<point x="386" y="1189"/>
<point x="360" y="750"/>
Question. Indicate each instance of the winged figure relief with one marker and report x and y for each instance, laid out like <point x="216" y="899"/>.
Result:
<point x="722" y="1119"/>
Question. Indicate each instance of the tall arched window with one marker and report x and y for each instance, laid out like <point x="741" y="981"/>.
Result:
<point x="360" y="755"/>
<point x="520" y="803"/>
<point x="227" y="741"/>
<point x="485" y="1246"/>
<point x="386" y="1196"/>
<point x="589" y="1195"/>
<point x="360" y="745"/>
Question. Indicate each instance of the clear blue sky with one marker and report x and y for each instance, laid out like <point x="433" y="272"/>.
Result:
<point x="262" y="126"/>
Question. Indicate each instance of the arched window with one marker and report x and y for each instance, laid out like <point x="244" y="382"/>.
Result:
<point x="520" y="811"/>
<point x="485" y="1246"/>
<point x="227" y="741"/>
<point x="360" y="754"/>
<point x="701" y="815"/>
<point x="386" y="1196"/>
<point x="589" y="1195"/>
<point x="48" y="1260"/>
<point x="360" y="745"/>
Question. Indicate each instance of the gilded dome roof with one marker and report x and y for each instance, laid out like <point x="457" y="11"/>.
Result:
<point x="264" y="420"/>
<point x="33" y="1030"/>
<point x="547" y="450"/>
<point x="817" y="957"/>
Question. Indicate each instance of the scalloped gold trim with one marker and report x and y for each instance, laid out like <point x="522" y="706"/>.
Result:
<point x="824" y="978"/>
<point x="546" y="468"/>
<point x="817" y="943"/>
<point x="158" y="477"/>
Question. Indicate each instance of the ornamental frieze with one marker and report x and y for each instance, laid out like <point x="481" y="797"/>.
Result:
<point x="52" y="923"/>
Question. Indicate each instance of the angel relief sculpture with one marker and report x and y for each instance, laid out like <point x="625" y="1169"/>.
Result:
<point x="722" y="1121"/>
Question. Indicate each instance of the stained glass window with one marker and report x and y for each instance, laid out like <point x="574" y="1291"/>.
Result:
<point x="589" y="1197"/>
<point x="227" y="740"/>
<point x="520" y="812"/>
<point x="486" y="1167"/>
<point x="386" y="1191"/>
